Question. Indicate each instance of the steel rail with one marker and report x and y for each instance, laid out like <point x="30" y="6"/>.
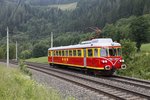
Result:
<point x="79" y="84"/>
<point x="97" y="82"/>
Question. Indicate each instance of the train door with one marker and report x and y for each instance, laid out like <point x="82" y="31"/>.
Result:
<point x="84" y="60"/>
<point x="96" y="55"/>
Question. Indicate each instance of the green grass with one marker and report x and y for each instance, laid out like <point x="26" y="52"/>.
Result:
<point x="70" y="6"/>
<point x="14" y="85"/>
<point x="39" y="60"/>
<point x="145" y="47"/>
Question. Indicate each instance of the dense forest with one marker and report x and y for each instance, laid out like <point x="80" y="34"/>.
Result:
<point x="30" y="22"/>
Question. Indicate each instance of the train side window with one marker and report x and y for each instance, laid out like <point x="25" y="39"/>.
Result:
<point x="62" y="52"/>
<point x="74" y="52"/>
<point x="56" y="53"/>
<point x="90" y="53"/>
<point x="66" y="52"/>
<point x="79" y="53"/>
<point x="103" y="52"/>
<point x="95" y="52"/>
<point x="70" y="52"/>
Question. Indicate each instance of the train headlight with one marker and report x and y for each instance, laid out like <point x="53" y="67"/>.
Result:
<point x="107" y="67"/>
<point x="122" y="61"/>
<point x="123" y="66"/>
<point x="104" y="61"/>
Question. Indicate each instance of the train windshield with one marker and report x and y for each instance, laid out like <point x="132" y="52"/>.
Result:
<point x="114" y="51"/>
<point x="104" y="52"/>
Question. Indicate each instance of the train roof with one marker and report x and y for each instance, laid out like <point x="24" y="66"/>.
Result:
<point x="100" y="42"/>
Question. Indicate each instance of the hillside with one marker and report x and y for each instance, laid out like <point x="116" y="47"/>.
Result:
<point x="34" y="20"/>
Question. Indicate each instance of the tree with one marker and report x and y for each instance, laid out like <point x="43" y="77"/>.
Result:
<point x="40" y="50"/>
<point x="26" y="54"/>
<point x="2" y="55"/>
<point x="139" y="28"/>
<point x="128" y="49"/>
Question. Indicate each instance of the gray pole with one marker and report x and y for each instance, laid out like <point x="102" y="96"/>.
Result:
<point x="51" y="39"/>
<point x="16" y="51"/>
<point x="7" y="47"/>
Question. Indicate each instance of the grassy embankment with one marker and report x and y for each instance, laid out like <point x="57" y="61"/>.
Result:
<point x="15" y="85"/>
<point x="138" y="67"/>
<point x="39" y="60"/>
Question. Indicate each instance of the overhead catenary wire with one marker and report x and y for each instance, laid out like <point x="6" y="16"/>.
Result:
<point x="19" y="2"/>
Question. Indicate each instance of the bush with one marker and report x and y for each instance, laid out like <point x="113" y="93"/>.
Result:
<point x="26" y="54"/>
<point x="40" y="50"/>
<point x="138" y="67"/>
<point x="24" y="69"/>
<point x="128" y="49"/>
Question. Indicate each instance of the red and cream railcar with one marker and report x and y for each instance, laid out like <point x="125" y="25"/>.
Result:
<point x="102" y="55"/>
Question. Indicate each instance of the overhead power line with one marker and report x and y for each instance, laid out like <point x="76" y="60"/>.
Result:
<point x="19" y="2"/>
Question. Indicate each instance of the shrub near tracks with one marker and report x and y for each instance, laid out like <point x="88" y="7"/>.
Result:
<point x="16" y="86"/>
<point x="138" y="67"/>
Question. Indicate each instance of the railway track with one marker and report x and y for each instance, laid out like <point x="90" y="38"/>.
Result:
<point x="96" y="84"/>
<point x="102" y="85"/>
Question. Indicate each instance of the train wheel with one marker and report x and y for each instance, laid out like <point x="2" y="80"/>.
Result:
<point x="51" y="65"/>
<point x="107" y="73"/>
<point x="85" y="71"/>
<point x="96" y="73"/>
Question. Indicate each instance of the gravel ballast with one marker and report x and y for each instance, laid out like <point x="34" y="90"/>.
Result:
<point x="66" y="89"/>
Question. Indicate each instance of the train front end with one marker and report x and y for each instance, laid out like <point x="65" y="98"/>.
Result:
<point x="111" y="58"/>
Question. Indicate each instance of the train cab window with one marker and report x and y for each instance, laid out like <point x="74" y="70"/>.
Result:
<point x="63" y="53"/>
<point x="112" y="52"/>
<point x="90" y="53"/>
<point x="103" y="52"/>
<point x="49" y="53"/>
<point x="66" y="53"/>
<point x="119" y="51"/>
<point x="74" y="52"/>
<point x="79" y="53"/>
<point x="52" y="53"/>
<point x="96" y="52"/>
<point x="70" y="52"/>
